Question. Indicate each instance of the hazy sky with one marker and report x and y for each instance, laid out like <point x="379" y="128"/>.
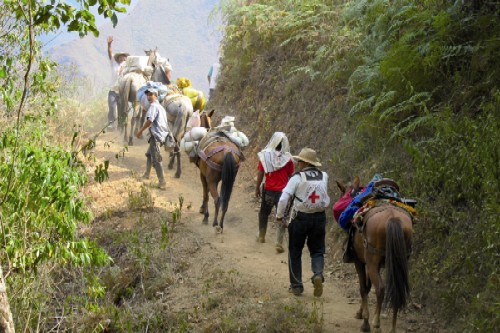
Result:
<point x="62" y="36"/>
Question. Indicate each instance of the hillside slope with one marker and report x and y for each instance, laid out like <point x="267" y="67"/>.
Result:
<point x="182" y="31"/>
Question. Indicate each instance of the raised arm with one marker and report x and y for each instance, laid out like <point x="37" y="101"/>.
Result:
<point x="110" y="51"/>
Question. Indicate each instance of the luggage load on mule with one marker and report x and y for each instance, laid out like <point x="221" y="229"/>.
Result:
<point x="160" y="87"/>
<point x="238" y="137"/>
<point x="378" y="192"/>
<point x="194" y="134"/>
<point x="352" y="207"/>
<point x="137" y="64"/>
<point x="196" y="96"/>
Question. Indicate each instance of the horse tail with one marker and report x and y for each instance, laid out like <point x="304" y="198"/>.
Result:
<point x="396" y="265"/>
<point x="228" y="175"/>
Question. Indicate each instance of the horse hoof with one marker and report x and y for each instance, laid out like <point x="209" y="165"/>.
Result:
<point x="177" y="175"/>
<point x="365" y="327"/>
<point x="170" y="167"/>
<point x="202" y="210"/>
<point x="205" y="221"/>
<point x="218" y="229"/>
<point x="358" y="315"/>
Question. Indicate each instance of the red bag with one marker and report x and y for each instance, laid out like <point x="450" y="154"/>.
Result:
<point x="342" y="204"/>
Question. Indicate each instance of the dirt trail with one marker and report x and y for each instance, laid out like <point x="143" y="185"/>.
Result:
<point x="236" y="248"/>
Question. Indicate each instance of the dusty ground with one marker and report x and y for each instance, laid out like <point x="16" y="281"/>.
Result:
<point x="253" y="270"/>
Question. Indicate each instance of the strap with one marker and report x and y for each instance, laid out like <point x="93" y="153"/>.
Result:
<point x="212" y="164"/>
<point x="171" y="100"/>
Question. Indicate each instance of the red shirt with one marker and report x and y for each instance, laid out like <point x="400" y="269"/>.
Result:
<point x="277" y="180"/>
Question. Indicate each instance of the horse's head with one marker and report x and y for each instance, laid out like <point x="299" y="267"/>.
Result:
<point x="354" y="187"/>
<point x="153" y="56"/>
<point x="206" y="119"/>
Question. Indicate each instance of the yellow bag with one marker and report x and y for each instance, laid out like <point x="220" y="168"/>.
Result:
<point x="196" y="96"/>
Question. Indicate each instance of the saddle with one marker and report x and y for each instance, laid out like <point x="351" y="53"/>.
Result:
<point x="387" y="188"/>
<point x="209" y="138"/>
<point x="385" y="191"/>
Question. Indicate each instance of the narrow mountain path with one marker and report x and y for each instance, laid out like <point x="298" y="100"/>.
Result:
<point x="236" y="249"/>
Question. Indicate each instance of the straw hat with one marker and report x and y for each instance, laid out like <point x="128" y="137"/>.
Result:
<point x="309" y="156"/>
<point x="119" y="54"/>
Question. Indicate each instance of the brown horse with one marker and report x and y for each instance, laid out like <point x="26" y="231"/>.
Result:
<point x="385" y="239"/>
<point x="217" y="161"/>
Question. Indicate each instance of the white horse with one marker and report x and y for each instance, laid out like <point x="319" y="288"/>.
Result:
<point x="130" y="84"/>
<point x="179" y="109"/>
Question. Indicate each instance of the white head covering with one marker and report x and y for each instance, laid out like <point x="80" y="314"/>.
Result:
<point x="273" y="159"/>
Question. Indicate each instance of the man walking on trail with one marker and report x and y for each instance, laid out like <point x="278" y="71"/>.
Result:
<point x="213" y="73"/>
<point x="276" y="165"/>
<point x="308" y="189"/>
<point x="117" y="62"/>
<point x="156" y="121"/>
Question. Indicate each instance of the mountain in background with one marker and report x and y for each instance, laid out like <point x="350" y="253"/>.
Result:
<point x="181" y="30"/>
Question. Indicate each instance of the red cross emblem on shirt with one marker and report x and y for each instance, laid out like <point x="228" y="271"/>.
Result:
<point x="313" y="197"/>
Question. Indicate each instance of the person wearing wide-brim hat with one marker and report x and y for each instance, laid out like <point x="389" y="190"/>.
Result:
<point x="308" y="190"/>
<point x="120" y="57"/>
<point x="117" y="62"/>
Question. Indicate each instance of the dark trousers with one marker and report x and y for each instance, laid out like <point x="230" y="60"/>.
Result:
<point x="310" y="228"/>
<point x="269" y="200"/>
<point x="154" y="158"/>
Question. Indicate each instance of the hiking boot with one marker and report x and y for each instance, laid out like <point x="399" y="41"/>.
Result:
<point x="317" y="281"/>
<point x="261" y="238"/>
<point x="295" y="291"/>
<point x="279" y="248"/>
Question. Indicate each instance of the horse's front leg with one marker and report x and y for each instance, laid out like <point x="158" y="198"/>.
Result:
<point x="364" y="289"/>
<point x="171" y="159"/>
<point x="204" y="205"/>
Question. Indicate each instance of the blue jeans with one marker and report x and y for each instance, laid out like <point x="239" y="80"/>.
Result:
<point x="114" y="104"/>
<point x="311" y="228"/>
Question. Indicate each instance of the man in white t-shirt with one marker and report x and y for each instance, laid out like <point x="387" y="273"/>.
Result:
<point x="117" y="62"/>
<point x="308" y="191"/>
<point x="213" y="73"/>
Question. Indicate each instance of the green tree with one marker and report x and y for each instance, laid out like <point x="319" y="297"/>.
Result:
<point x="40" y="202"/>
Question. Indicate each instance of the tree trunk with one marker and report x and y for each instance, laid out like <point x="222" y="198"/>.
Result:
<point x="6" y="322"/>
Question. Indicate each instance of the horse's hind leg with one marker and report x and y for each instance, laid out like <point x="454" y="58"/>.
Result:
<point x="394" y="319"/>
<point x="125" y="129"/>
<point x="212" y="187"/>
<point x="178" y="153"/>
<point x="373" y="267"/>
<point x="204" y="205"/>
<point x="133" y="120"/>
<point x="364" y="289"/>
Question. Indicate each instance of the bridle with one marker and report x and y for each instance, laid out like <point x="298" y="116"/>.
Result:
<point x="205" y="120"/>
